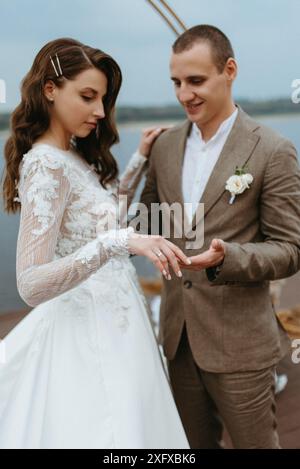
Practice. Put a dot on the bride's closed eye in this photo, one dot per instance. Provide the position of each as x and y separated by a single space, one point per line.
87 98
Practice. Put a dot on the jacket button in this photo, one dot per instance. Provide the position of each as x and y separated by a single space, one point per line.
187 284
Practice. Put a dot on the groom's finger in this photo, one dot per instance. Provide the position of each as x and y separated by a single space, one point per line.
218 245
190 267
207 259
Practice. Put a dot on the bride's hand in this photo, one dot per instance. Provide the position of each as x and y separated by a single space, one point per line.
148 138
160 251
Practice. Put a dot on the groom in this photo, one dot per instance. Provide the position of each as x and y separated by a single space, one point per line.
218 327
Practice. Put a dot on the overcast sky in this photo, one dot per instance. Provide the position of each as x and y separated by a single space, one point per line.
265 35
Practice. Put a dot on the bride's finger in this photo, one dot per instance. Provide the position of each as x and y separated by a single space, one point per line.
153 135
151 130
158 264
171 259
162 259
179 253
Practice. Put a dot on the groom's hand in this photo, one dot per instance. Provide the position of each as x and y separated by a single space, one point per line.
211 258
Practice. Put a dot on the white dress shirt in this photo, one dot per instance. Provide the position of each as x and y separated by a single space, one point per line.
199 161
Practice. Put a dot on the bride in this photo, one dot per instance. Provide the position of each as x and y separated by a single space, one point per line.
82 369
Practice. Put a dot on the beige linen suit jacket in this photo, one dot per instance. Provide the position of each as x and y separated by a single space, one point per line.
231 323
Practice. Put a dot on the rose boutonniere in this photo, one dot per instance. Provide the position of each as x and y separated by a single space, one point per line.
238 183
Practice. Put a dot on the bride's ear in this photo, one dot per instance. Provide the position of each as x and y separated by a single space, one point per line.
49 90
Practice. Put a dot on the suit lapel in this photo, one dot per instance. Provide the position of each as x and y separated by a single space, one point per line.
176 150
237 150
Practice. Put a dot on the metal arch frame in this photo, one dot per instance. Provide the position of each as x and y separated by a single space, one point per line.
175 17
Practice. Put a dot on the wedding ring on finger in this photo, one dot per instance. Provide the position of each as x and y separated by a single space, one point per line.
159 254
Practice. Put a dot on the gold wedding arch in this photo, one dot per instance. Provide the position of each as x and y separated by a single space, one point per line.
168 15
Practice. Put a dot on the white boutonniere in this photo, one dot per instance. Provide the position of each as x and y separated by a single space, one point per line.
238 183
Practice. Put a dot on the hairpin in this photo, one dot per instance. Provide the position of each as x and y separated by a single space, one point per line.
58 65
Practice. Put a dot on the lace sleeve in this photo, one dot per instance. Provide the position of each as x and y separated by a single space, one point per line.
44 190
129 181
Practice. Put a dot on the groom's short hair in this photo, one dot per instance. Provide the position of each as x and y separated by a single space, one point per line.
220 45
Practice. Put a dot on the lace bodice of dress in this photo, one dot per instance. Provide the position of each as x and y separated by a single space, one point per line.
69 223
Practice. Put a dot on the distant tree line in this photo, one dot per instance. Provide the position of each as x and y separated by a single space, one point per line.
126 114
176 112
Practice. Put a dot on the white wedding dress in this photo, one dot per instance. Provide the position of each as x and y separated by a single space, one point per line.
83 368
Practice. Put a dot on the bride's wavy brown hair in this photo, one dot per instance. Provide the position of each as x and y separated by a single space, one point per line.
31 118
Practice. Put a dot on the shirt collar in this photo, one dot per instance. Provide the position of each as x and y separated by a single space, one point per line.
224 128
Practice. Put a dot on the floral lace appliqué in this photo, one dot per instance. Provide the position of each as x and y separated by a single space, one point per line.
111 243
44 186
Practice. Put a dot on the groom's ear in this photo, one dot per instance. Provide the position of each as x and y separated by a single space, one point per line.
231 69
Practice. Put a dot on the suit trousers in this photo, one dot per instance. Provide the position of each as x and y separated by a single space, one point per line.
243 401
